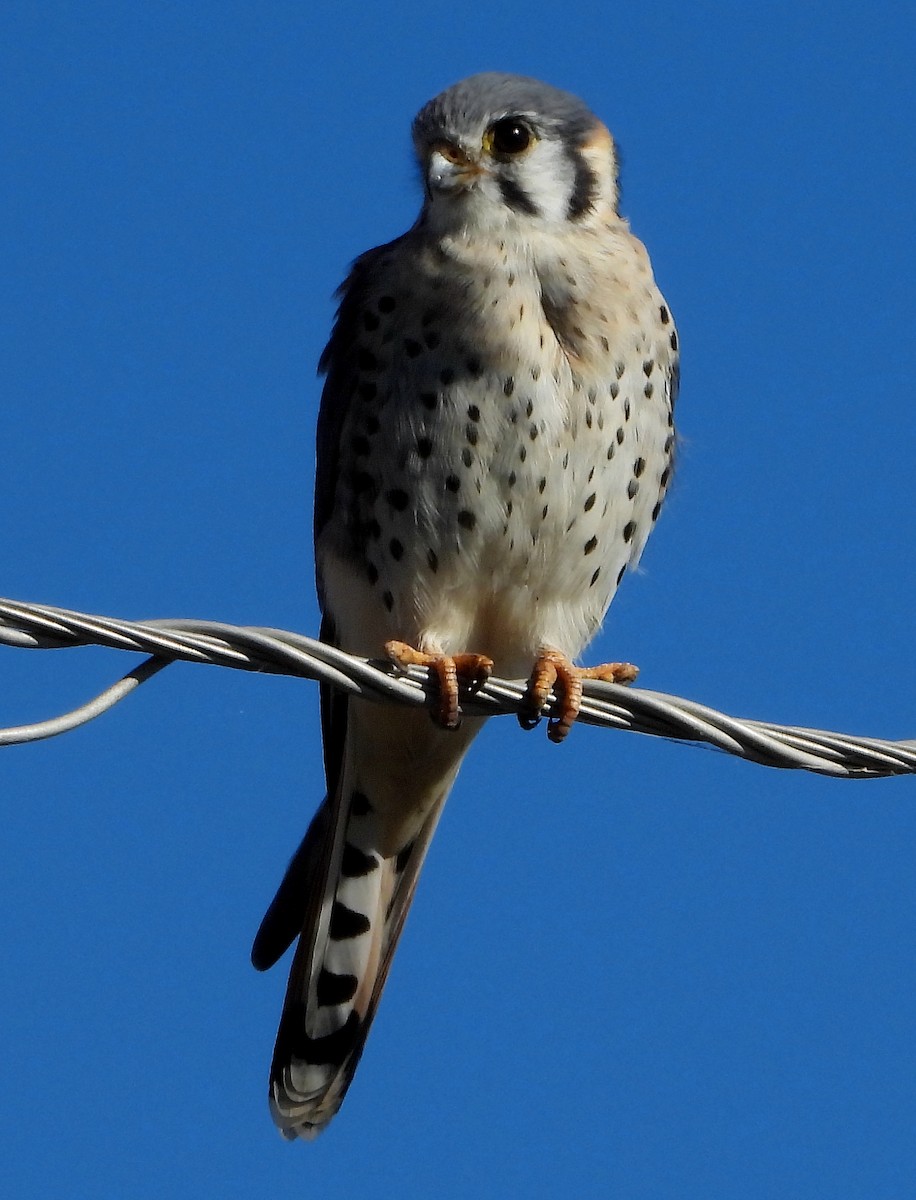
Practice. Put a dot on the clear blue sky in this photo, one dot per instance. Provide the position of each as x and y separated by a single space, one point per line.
634 969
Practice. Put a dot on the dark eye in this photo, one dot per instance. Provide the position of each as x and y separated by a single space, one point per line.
510 136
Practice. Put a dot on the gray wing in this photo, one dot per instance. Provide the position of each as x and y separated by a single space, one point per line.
338 363
284 919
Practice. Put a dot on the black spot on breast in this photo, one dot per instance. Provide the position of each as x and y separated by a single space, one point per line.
594 578
632 488
466 519
470 434
664 314
656 511
529 408
429 400
467 457
648 367
424 447
387 304
364 485
621 573
397 549
590 545
620 436
522 454
533 433
509 385
673 339
542 483
619 369
474 367
398 499
589 503
452 483
614 389
446 376
628 530
473 412
664 477
639 466
648 390
345 923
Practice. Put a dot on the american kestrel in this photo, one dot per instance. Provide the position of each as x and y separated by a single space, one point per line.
494 444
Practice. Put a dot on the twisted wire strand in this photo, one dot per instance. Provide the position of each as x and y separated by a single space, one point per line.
278 651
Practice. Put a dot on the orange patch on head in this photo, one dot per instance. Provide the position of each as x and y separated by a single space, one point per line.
599 139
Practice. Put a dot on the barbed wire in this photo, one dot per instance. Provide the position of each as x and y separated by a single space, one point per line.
278 651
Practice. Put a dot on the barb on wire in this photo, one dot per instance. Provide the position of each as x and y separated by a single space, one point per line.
277 651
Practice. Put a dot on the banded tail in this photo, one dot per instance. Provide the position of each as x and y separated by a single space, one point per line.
346 894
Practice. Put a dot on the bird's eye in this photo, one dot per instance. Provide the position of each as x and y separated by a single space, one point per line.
509 136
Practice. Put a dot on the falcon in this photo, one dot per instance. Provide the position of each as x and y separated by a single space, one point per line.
495 441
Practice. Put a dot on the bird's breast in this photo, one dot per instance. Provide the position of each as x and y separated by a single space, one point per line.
504 450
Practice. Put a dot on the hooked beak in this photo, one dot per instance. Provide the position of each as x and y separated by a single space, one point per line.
450 169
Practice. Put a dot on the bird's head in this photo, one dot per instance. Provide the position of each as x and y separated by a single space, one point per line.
497 151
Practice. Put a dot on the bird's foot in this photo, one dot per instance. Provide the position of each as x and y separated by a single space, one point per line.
553 671
472 669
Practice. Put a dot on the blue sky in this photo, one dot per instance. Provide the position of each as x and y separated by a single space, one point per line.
634 969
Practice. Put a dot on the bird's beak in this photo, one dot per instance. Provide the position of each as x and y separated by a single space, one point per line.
450 169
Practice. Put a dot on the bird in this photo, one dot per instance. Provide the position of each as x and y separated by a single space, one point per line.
494 442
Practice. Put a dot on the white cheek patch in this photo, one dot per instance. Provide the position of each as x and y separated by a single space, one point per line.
547 178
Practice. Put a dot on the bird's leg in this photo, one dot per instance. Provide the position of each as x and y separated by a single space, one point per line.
472 669
553 670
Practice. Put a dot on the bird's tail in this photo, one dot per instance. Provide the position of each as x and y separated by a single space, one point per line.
348 890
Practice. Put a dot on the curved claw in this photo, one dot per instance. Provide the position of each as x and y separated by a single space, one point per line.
553 670
472 669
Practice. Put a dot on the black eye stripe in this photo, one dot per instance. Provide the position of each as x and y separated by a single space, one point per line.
585 186
517 198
